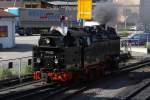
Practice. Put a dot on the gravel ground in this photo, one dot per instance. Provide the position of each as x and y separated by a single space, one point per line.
115 88
140 55
142 76
23 48
143 95
20 88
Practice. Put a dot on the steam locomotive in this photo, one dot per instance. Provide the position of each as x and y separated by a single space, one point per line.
83 53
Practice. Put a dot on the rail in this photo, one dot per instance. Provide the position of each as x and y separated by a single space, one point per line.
44 92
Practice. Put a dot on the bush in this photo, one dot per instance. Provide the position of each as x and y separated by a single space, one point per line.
123 33
11 73
5 74
27 70
73 69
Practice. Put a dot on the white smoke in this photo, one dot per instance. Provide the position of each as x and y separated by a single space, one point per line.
128 2
106 13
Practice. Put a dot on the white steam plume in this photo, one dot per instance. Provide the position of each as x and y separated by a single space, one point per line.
128 2
106 13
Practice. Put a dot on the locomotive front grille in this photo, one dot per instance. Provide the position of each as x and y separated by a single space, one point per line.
48 56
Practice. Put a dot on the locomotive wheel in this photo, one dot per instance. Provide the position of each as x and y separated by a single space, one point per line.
45 78
92 74
111 64
48 80
116 66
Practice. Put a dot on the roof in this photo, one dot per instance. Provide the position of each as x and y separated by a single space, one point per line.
63 3
6 4
6 14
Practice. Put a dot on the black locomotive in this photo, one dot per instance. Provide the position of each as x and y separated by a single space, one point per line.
86 52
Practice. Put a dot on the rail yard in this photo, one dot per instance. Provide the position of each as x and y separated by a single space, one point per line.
135 77
79 50
123 84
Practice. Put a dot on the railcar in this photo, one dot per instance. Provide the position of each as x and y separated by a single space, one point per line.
83 53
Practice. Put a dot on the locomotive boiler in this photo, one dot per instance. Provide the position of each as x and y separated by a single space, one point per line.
83 53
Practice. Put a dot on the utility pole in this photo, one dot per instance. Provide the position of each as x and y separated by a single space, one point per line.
31 3
68 13
62 19
125 21
14 4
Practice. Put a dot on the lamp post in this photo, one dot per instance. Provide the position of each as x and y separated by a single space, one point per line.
147 44
125 21
68 13
31 3
14 3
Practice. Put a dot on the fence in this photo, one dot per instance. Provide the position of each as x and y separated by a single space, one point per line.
125 46
15 68
135 42
135 46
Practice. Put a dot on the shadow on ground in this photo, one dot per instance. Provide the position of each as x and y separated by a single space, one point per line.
129 80
19 48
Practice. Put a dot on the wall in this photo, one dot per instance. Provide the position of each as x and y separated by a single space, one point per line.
144 11
9 41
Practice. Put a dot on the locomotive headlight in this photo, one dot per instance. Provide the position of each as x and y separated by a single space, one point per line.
47 41
56 60
38 60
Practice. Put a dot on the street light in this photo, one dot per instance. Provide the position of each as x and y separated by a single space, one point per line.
125 14
68 12
147 41
14 3
31 3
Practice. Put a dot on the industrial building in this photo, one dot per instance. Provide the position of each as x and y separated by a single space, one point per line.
21 3
128 10
7 30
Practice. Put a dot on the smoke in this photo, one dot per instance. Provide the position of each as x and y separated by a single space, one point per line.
128 2
106 13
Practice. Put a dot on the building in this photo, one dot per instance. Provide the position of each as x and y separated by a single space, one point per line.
7 29
32 3
128 9
21 3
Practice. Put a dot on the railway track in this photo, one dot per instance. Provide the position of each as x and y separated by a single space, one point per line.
132 67
24 91
15 81
45 92
137 93
18 85
123 70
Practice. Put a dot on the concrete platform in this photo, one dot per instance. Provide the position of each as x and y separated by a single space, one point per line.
137 49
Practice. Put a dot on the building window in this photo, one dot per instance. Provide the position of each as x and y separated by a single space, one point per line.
3 31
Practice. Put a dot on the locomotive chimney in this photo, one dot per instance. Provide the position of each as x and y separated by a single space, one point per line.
103 26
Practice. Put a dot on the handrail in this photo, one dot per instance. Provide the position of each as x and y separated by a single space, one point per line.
15 58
